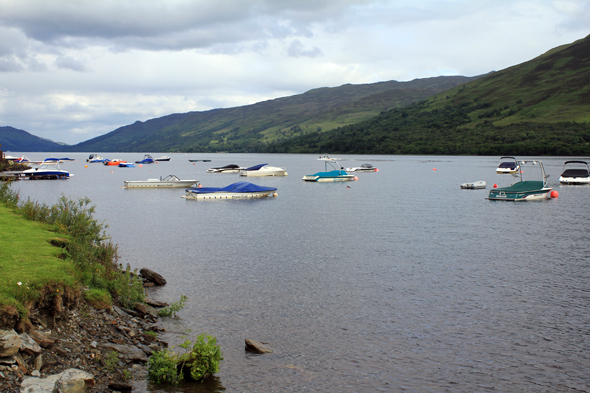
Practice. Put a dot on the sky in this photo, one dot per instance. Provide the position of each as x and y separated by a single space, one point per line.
72 70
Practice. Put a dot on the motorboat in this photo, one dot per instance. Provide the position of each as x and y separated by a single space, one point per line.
508 165
575 175
95 158
167 182
60 160
114 162
336 174
231 168
21 160
524 190
126 165
46 171
163 158
476 185
363 168
263 170
239 190
147 159
326 157
200 160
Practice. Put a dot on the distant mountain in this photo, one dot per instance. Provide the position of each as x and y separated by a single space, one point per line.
233 129
12 139
540 107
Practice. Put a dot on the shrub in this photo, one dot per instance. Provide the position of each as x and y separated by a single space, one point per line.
172 309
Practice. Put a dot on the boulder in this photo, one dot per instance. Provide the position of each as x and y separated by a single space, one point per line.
41 338
129 353
257 347
29 345
155 303
39 385
10 342
145 309
152 276
74 380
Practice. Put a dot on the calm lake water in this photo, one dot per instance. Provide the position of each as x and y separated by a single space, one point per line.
402 282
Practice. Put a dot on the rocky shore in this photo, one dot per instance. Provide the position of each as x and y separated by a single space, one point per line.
81 349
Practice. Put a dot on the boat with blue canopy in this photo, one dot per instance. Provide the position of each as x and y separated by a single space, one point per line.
237 190
336 174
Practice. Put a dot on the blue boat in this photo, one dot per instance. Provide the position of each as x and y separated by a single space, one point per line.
147 159
46 171
336 174
126 165
237 190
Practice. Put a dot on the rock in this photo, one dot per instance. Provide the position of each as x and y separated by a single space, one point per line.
10 342
59 351
41 338
146 310
22 365
152 276
256 347
38 363
35 373
120 312
130 353
39 385
155 303
74 380
29 345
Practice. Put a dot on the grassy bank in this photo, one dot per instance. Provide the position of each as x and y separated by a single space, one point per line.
53 257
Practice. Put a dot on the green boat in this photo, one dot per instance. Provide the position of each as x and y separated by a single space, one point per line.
523 190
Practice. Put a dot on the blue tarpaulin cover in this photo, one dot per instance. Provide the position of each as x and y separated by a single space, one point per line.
255 167
241 186
331 174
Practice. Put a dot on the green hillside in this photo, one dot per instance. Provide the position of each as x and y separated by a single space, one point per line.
540 107
320 110
13 139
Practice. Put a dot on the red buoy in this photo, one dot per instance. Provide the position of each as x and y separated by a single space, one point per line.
554 194
495 185
434 169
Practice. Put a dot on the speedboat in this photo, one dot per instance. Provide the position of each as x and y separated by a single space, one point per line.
237 190
95 158
476 185
147 159
167 182
263 170
200 160
114 162
363 168
47 170
523 190
163 158
575 175
126 165
337 174
231 168
326 157
509 165
21 160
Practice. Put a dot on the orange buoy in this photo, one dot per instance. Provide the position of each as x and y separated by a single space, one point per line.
554 194
376 169
434 169
111 171
495 185
356 178
140 165
85 166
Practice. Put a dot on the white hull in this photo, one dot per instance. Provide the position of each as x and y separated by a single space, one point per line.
265 171
319 179
574 180
168 182
223 171
229 195
474 186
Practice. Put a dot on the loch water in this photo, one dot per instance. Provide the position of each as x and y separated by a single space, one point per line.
398 282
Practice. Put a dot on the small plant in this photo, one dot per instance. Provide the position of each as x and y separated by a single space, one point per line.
199 361
126 375
110 361
172 309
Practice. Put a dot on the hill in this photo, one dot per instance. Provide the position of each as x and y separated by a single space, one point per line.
12 139
232 129
540 107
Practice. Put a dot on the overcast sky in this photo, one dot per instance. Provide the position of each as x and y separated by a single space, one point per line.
71 70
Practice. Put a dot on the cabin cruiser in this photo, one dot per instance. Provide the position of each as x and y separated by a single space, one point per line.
231 168
363 168
263 170
237 190
508 165
575 175
167 182
336 174
147 159
95 158
163 158
523 190
47 170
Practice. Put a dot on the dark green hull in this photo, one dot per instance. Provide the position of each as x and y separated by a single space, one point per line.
521 191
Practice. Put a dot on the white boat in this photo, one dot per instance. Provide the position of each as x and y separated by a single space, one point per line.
524 190
326 157
167 182
575 175
239 190
46 171
363 168
508 165
231 168
476 185
337 174
263 170
163 158
95 158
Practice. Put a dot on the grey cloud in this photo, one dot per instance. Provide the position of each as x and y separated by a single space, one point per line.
67 62
296 49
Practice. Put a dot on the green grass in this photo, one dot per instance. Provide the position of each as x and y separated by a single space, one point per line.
27 257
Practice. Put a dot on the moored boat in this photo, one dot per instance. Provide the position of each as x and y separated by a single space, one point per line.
167 182
48 170
126 165
363 168
92 158
476 185
326 157
239 190
337 174
580 174
263 170
163 158
114 162
147 159
523 190
508 165
231 168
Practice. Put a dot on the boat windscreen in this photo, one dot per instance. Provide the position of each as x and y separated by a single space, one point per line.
510 165
255 167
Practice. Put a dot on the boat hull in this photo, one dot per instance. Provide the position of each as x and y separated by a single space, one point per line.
521 191
228 195
474 186
159 184
263 173
322 179
574 180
